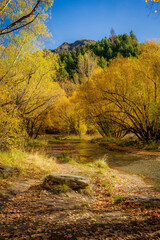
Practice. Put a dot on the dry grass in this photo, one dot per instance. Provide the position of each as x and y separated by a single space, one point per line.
101 163
36 163
40 163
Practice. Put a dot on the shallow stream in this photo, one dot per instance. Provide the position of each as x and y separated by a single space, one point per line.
148 167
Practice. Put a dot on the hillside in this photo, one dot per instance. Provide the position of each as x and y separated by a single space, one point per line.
102 51
66 46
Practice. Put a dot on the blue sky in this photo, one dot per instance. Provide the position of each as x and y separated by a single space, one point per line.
93 19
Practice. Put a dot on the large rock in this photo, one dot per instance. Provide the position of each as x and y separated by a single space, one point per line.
6 170
72 181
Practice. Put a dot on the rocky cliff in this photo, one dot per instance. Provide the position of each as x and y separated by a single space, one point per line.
73 46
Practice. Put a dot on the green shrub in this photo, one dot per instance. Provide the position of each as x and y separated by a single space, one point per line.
129 142
35 143
151 146
64 188
95 140
56 139
101 164
118 199
63 158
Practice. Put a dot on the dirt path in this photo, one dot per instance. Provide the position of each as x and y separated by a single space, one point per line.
38 214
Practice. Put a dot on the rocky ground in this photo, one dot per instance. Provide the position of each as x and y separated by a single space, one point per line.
127 209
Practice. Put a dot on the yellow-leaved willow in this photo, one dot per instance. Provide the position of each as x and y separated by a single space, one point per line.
124 98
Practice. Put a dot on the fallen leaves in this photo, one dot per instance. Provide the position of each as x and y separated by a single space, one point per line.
39 214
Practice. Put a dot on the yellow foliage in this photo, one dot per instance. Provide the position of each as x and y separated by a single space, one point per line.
28 91
26 15
125 96
68 117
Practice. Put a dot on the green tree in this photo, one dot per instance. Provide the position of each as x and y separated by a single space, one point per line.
102 62
105 50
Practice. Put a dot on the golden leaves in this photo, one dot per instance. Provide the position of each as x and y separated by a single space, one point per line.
125 96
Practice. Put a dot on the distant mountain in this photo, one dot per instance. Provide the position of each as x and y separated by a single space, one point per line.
65 47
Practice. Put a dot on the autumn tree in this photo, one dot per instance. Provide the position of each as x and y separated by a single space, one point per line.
87 63
37 93
28 92
22 27
125 97
10 122
68 117
20 14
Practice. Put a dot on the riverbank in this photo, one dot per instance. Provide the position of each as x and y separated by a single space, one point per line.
129 145
103 211
130 150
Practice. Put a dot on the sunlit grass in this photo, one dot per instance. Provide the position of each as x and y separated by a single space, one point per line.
101 163
84 137
35 163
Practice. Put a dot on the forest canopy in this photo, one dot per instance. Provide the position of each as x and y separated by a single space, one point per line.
110 87
124 97
102 51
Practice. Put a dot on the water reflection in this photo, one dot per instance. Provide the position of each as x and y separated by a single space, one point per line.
82 150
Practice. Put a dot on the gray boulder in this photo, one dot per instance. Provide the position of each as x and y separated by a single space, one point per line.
6 170
72 181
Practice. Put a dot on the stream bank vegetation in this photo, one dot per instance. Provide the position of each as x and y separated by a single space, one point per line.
114 100
110 88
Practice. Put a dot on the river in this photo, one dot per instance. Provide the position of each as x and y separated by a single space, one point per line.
82 150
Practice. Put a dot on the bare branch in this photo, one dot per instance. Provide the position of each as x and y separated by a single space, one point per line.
15 29
15 25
